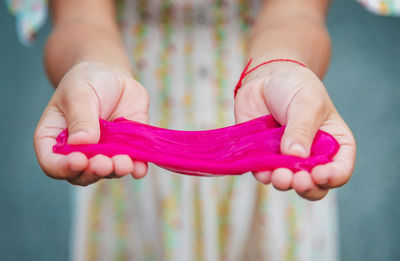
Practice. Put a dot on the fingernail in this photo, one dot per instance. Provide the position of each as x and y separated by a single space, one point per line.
299 149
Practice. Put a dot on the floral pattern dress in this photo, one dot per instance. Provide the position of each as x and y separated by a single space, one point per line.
189 54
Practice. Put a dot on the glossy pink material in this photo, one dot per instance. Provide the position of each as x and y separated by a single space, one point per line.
234 150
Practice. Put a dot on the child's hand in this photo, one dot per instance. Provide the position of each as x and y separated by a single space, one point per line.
89 91
296 97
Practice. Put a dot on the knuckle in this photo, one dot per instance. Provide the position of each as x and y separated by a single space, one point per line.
318 101
140 92
75 90
304 131
143 93
145 100
79 122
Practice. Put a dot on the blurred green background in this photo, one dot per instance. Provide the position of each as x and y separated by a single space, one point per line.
364 82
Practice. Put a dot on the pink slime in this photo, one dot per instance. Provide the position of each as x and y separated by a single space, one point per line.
234 150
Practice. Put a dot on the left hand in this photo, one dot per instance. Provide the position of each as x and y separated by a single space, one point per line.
88 91
297 98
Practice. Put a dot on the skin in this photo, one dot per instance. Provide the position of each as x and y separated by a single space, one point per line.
91 83
295 95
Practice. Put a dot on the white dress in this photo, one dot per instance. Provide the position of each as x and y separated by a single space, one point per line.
189 54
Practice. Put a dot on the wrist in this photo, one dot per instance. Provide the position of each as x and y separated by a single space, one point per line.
120 69
299 38
266 69
70 44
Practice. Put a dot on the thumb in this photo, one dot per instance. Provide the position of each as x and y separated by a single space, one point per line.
81 112
304 117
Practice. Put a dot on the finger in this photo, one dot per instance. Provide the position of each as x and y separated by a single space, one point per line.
86 178
313 193
304 117
123 165
282 179
302 182
81 110
263 176
338 172
55 165
100 165
77 162
306 188
134 111
140 169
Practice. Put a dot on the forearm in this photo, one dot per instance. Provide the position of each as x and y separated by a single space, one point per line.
83 36
297 33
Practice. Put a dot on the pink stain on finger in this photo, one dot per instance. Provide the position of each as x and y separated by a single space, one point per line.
250 146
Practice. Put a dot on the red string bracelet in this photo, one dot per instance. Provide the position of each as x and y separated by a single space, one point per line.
245 72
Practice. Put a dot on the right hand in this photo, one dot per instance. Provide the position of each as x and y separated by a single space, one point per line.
297 98
86 92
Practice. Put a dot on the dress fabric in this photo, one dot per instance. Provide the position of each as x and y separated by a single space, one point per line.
31 14
382 7
189 54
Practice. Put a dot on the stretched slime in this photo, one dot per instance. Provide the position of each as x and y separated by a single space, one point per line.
234 150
